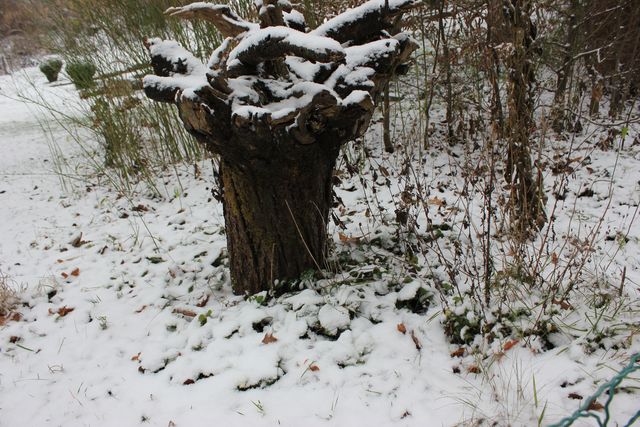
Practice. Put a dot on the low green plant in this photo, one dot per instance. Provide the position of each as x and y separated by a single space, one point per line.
81 74
461 325
51 69
202 318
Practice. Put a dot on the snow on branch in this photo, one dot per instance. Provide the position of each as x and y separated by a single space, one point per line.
274 79
175 68
276 42
364 23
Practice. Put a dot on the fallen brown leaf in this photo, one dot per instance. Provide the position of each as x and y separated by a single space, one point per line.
62 311
416 341
77 242
268 339
562 303
344 238
401 328
314 368
188 382
75 272
64 275
136 357
458 353
510 344
203 301
474 369
436 202
14 339
184 312
594 405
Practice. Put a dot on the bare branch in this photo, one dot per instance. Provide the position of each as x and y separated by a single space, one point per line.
225 20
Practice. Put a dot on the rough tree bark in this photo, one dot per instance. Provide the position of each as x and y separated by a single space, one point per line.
527 197
275 102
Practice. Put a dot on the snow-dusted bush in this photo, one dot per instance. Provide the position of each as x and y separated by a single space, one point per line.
81 74
51 68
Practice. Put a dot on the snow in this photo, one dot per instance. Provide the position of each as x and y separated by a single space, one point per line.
216 58
294 18
157 338
356 97
193 77
320 45
333 318
357 13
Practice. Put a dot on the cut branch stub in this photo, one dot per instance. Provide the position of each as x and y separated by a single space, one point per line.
225 20
277 42
275 102
366 22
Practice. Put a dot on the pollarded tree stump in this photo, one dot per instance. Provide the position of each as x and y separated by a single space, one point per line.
276 102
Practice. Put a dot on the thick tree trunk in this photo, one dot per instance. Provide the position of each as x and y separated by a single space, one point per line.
276 214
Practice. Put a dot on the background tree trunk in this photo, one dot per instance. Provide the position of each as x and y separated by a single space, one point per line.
527 198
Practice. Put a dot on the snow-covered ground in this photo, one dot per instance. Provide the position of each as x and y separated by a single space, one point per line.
126 315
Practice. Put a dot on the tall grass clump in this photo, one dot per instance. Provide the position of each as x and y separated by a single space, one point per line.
102 44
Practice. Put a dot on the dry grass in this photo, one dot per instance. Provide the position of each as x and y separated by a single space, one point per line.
8 295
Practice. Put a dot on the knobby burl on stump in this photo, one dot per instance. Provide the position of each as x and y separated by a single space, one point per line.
275 102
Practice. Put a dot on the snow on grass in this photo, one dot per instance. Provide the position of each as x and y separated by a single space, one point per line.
128 317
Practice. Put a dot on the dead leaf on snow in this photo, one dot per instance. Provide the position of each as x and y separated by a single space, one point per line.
268 339
314 368
510 344
436 201
458 353
344 238
401 328
62 311
184 312
562 303
474 369
203 301
75 272
594 405
416 341
77 241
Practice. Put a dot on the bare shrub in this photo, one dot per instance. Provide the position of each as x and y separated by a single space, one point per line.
8 296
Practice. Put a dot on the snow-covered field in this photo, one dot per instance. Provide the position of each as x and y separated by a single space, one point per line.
126 315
